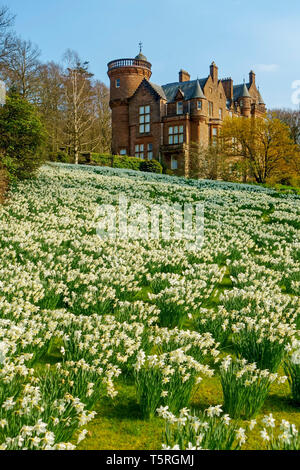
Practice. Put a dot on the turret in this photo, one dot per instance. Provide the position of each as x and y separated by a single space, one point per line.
125 76
198 100
245 102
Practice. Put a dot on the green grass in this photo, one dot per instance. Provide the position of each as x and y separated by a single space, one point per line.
119 426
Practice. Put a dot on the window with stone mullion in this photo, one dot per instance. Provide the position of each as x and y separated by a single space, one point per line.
176 135
144 119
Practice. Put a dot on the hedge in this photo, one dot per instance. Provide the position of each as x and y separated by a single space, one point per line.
123 161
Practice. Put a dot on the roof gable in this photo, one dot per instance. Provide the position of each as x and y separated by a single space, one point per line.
154 89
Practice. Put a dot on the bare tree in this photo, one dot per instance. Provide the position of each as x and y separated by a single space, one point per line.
80 103
102 126
51 103
7 42
21 68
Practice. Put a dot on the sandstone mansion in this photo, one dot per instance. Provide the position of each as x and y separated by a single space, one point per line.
152 121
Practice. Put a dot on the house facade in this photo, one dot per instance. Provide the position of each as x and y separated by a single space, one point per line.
152 121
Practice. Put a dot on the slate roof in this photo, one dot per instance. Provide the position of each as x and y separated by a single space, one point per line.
159 90
198 93
238 91
188 88
260 99
241 90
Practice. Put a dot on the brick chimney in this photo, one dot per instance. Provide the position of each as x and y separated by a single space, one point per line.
228 87
214 72
184 76
251 77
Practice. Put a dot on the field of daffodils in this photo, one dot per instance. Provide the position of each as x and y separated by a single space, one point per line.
102 340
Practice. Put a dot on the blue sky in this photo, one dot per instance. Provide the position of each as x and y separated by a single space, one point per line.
237 34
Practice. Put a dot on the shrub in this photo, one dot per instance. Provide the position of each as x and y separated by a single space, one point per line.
21 136
123 161
151 166
59 156
116 161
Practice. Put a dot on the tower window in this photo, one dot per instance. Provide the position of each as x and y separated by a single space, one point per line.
199 105
144 119
180 107
139 151
118 83
176 135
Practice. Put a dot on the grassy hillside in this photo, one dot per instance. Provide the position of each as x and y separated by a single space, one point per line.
97 334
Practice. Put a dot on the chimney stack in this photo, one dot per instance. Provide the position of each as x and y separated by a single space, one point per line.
228 87
214 72
251 77
184 76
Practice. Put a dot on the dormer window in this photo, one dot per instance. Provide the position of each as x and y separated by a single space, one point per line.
118 83
144 119
180 107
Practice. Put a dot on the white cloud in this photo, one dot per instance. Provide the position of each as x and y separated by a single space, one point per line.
267 67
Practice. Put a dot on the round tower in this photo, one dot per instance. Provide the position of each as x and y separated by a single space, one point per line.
125 76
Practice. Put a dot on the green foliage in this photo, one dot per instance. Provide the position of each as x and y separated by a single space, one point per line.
59 156
151 166
116 161
21 136
123 161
